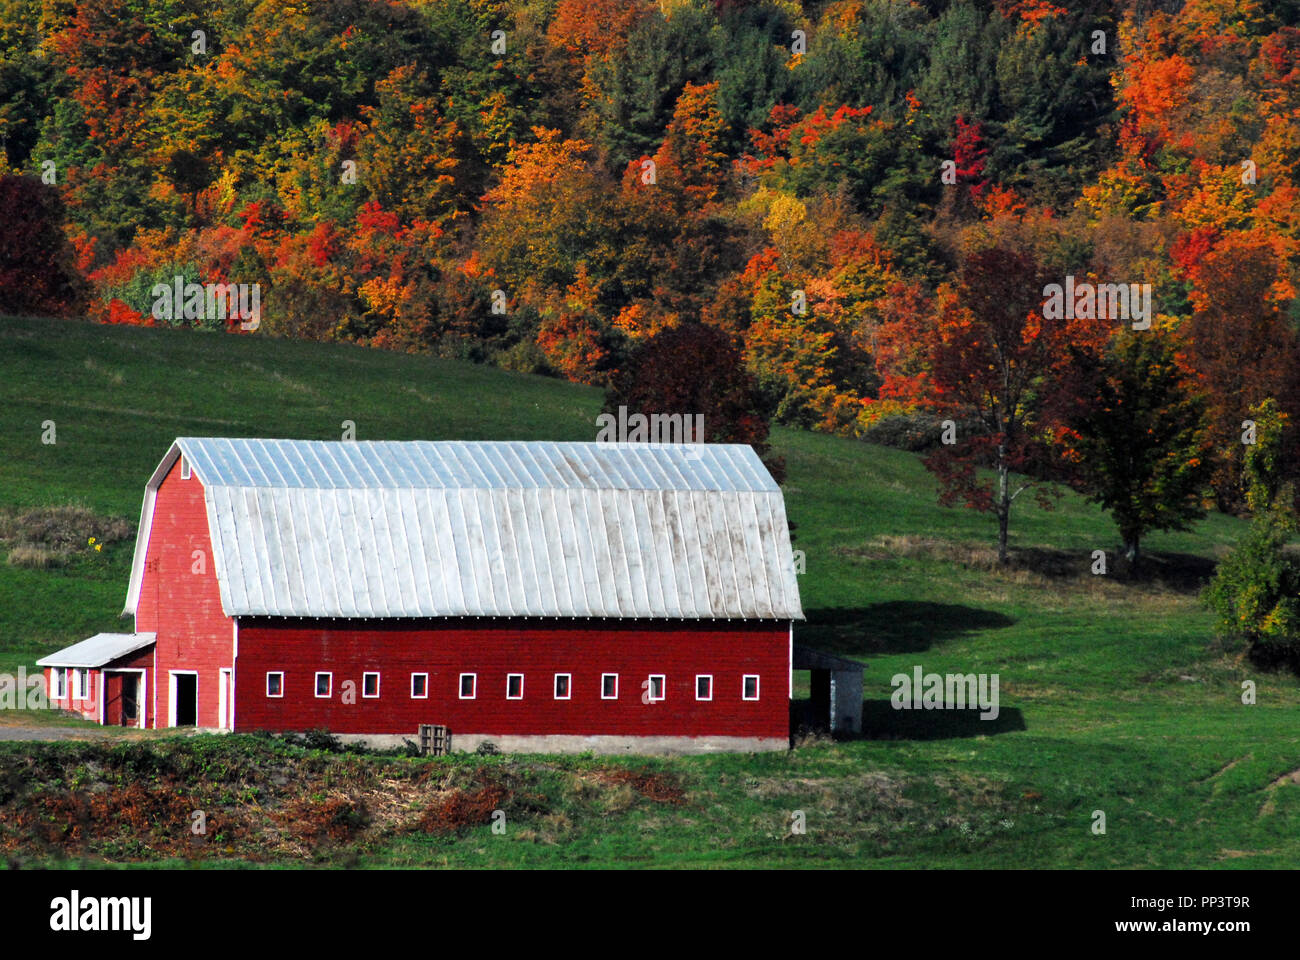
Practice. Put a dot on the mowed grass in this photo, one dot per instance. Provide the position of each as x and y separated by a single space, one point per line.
1114 695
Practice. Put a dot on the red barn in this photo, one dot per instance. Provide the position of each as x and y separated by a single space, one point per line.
543 596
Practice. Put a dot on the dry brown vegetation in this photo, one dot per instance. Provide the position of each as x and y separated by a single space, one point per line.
139 802
44 537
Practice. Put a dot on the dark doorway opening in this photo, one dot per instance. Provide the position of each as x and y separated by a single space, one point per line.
130 700
187 699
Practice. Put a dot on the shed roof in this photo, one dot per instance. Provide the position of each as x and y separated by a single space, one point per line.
98 650
504 529
806 658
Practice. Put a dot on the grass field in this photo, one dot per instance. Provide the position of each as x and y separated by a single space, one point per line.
1114 695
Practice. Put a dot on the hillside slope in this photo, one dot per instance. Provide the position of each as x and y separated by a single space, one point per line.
1114 696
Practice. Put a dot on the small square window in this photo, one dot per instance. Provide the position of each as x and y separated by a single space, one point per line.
751 686
370 685
656 687
514 686
703 687
185 469
419 686
324 685
468 683
563 689
609 686
275 684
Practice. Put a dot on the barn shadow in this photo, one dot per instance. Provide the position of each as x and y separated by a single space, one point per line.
880 721
898 626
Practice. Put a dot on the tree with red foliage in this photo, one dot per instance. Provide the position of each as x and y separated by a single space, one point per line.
37 263
969 153
1241 349
695 369
990 357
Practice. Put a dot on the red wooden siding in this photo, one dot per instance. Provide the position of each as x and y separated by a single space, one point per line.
181 606
87 706
538 649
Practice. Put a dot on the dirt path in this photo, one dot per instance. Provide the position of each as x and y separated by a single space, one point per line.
51 733
15 728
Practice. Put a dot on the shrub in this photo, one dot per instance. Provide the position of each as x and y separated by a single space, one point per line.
1255 593
906 431
525 357
322 740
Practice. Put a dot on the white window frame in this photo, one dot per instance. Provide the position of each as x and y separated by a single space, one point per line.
315 685
511 676
80 683
663 687
698 678
269 675
603 678
568 686
59 683
473 686
744 680
185 468
370 696
420 696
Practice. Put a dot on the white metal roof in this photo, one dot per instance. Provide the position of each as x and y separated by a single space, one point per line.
524 529
98 650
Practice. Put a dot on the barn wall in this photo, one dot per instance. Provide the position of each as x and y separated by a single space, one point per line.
88 706
183 606
537 649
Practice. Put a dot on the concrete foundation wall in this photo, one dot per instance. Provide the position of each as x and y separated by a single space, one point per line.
604 744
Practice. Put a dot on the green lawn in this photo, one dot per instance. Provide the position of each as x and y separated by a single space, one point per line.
1114 696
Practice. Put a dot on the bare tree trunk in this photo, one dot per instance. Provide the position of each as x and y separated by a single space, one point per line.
1003 506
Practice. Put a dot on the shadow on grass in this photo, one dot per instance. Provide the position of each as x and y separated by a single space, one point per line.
1182 572
880 721
899 626
1047 567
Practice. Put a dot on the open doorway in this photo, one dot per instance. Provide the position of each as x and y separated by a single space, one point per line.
122 691
129 715
185 699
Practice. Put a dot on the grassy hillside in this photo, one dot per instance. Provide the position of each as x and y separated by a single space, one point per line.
1114 695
